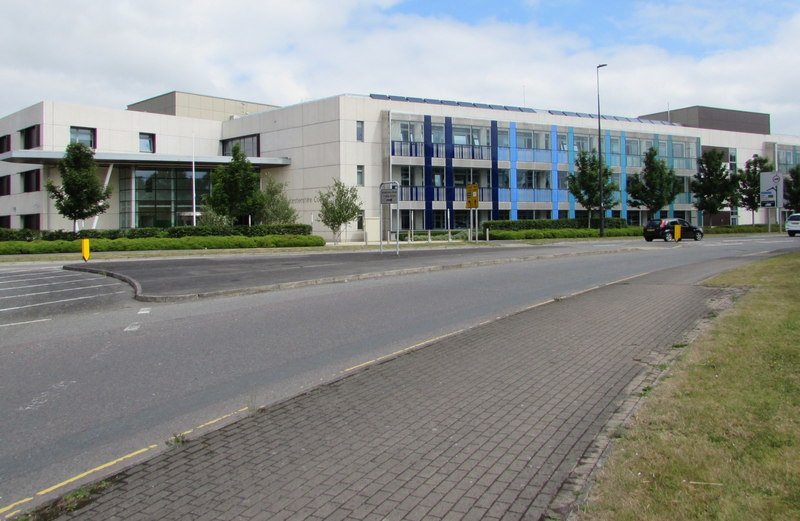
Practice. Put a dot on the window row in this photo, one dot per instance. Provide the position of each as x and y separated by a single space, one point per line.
412 132
30 221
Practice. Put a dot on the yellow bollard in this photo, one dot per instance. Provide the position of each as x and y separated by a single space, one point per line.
677 232
85 249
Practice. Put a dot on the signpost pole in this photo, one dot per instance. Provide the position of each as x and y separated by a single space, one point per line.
389 196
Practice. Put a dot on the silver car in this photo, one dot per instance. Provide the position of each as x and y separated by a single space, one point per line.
793 224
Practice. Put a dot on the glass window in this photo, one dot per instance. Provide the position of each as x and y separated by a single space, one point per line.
541 179
502 138
359 131
632 147
5 143
461 135
406 131
31 181
30 137
147 143
524 139
679 149
405 176
543 141
87 136
30 221
562 142
249 145
5 185
563 180
615 146
582 143
524 179
5 221
502 178
437 133
438 176
360 175
160 197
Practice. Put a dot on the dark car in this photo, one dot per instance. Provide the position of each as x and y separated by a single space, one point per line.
665 229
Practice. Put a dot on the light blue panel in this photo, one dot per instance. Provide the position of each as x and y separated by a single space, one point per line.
554 171
512 173
623 179
607 146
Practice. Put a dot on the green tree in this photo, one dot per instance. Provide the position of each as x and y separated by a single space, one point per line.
712 185
791 190
584 184
275 207
748 183
81 195
655 187
234 188
338 205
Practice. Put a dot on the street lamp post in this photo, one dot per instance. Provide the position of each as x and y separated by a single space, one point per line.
600 155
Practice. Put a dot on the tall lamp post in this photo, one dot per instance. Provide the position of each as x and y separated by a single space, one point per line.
600 155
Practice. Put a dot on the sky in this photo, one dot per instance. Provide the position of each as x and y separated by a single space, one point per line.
543 54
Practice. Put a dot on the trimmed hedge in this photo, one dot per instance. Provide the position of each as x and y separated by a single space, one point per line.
571 233
162 243
258 230
552 224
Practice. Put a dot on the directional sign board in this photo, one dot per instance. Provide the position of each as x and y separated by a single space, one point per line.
388 196
472 196
771 190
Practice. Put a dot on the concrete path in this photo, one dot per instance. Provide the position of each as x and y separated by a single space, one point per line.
504 421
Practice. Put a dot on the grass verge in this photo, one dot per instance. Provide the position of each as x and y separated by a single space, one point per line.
719 438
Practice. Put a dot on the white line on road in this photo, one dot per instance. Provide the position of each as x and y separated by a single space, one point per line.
60 290
26 322
51 283
133 327
71 275
59 301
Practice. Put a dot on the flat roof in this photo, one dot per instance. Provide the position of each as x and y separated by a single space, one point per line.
40 157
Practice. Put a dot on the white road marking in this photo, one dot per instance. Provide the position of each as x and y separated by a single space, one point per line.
133 327
59 301
26 322
60 290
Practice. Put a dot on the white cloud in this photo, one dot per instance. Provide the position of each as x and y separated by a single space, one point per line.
116 53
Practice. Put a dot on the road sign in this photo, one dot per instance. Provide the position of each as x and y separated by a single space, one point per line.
388 196
472 196
771 189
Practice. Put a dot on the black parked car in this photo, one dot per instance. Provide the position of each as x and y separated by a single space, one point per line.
665 229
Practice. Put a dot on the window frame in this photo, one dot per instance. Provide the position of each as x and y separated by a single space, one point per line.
76 132
359 175
31 181
5 185
360 131
150 139
31 137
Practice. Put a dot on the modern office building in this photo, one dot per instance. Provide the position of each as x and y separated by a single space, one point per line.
158 153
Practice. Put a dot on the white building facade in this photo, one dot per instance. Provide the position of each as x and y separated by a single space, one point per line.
158 154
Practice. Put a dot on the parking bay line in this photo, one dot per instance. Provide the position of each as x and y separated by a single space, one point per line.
59 301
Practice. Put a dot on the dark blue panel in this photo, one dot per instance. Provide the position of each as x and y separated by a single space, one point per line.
427 131
495 175
449 182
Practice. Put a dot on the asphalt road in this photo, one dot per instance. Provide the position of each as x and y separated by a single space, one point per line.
87 387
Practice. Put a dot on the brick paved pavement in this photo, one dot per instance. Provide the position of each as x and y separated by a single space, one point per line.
489 424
